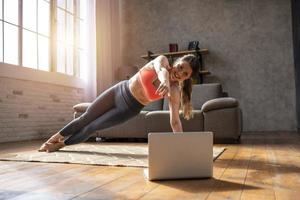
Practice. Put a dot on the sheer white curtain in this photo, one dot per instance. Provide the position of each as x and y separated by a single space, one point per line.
90 77
108 42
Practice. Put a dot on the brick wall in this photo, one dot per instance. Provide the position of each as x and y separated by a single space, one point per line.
33 110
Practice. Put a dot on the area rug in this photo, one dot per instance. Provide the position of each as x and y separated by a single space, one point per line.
112 154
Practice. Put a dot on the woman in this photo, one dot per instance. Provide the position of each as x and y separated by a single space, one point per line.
156 80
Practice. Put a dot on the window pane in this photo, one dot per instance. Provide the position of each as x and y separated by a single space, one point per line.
11 11
11 45
43 49
82 34
43 17
70 6
29 14
70 60
29 49
60 58
61 25
61 4
83 65
76 64
1 42
83 7
1 9
70 29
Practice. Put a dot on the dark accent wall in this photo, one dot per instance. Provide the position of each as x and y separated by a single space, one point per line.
250 44
296 40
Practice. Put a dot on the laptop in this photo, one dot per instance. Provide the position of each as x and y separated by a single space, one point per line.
180 155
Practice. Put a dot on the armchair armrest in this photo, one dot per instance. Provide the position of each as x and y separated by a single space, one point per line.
219 103
81 107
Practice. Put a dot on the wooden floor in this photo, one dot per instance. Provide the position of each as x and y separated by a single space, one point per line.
263 166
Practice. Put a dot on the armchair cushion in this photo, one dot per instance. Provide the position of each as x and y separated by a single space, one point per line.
219 103
156 105
204 92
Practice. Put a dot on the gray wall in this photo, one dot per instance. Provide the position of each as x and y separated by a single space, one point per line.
250 44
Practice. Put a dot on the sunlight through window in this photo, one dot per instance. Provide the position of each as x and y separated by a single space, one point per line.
11 44
61 25
29 15
43 53
83 64
11 11
29 49
83 8
1 42
70 6
43 17
1 9
1 33
61 58
70 30
83 34
61 4
70 60
37 39
82 38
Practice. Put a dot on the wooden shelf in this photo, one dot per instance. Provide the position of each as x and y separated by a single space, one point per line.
204 72
175 54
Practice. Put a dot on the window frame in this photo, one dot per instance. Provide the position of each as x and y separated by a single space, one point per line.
52 76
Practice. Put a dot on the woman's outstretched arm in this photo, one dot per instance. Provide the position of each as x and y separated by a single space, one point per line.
161 66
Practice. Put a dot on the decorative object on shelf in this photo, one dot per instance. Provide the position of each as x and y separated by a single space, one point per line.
193 45
126 72
173 47
149 54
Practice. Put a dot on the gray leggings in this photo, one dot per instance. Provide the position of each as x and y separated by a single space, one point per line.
114 106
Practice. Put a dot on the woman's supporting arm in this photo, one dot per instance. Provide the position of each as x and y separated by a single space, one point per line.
174 106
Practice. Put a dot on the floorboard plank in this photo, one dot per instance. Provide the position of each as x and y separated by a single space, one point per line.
128 186
258 174
233 179
85 181
285 164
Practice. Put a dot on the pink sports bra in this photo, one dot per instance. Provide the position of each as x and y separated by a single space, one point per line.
147 78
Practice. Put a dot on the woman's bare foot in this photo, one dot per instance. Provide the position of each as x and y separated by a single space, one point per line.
56 138
51 147
43 147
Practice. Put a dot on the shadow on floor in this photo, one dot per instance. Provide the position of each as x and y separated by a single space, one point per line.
205 185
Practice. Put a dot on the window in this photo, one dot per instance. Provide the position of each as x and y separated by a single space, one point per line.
43 34
1 31
36 34
9 31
